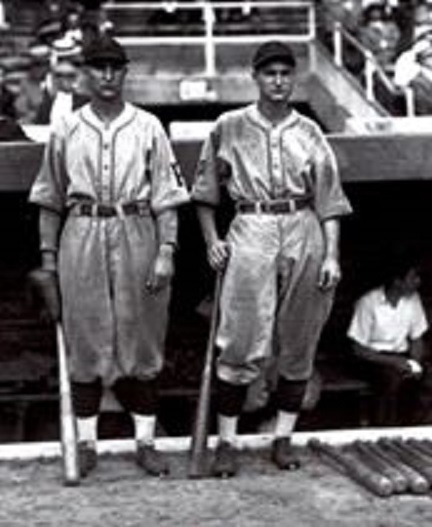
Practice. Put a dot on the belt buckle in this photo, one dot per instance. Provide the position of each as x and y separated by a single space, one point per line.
105 211
259 207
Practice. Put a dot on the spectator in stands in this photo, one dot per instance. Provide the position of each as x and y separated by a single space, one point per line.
7 98
422 19
33 85
387 331
380 34
62 97
413 68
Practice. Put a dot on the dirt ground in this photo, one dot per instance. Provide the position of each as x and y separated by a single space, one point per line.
118 495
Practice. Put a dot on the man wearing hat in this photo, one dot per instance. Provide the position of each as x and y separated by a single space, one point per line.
108 190
280 256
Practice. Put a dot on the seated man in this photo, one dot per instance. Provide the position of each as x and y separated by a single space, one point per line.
386 331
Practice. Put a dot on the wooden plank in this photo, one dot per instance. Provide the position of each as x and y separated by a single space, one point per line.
383 157
361 159
52 449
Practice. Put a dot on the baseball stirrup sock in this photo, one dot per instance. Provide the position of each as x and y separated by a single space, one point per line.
289 395
86 397
230 398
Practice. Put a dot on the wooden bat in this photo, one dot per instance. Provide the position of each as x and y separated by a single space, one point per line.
417 484
67 420
198 452
379 464
422 446
409 457
352 466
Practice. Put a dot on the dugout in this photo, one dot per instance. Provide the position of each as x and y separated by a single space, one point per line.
388 180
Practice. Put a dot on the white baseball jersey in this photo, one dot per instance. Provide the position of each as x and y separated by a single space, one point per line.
270 303
114 327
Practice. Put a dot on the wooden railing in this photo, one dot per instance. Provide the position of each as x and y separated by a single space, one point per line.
373 73
210 27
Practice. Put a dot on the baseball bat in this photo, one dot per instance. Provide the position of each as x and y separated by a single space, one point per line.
376 483
423 446
68 432
198 451
410 458
417 484
377 463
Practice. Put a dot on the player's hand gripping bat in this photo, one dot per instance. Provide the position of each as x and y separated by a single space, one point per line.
45 290
198 451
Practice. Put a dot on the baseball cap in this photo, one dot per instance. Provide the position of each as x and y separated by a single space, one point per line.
271 51
104 49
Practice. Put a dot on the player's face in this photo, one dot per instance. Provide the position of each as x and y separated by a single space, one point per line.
106 80
275 81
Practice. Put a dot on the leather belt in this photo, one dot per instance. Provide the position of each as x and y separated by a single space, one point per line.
285 206
106 210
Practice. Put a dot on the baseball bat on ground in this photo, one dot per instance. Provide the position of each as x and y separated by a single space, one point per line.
417 484
409 457
198 452
376 483
422 446
67 420
380 465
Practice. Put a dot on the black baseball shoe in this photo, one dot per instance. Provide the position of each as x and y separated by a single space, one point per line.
283 456
87 458
152 461
225 463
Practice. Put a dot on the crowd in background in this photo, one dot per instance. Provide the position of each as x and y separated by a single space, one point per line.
44 81
397 32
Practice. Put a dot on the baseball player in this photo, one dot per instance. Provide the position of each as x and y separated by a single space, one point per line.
108 190
280 256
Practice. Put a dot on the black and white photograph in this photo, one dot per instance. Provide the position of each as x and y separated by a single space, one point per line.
215 263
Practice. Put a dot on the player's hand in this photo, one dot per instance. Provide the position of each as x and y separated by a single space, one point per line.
218 254
163 269
415 368
330 274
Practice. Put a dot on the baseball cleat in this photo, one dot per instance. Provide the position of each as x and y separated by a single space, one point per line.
225 463
151 461
283 456
87 457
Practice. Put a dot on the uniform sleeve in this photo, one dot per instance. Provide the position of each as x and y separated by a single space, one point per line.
207 185
360 328
50 186
419 323
168 188
329 198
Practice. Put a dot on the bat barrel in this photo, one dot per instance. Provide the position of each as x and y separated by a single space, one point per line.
357 470
68 433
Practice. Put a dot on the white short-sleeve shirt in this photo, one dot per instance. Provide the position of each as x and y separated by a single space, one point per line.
380 326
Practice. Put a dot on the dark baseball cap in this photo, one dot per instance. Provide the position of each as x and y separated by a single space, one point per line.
273 50
102 50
